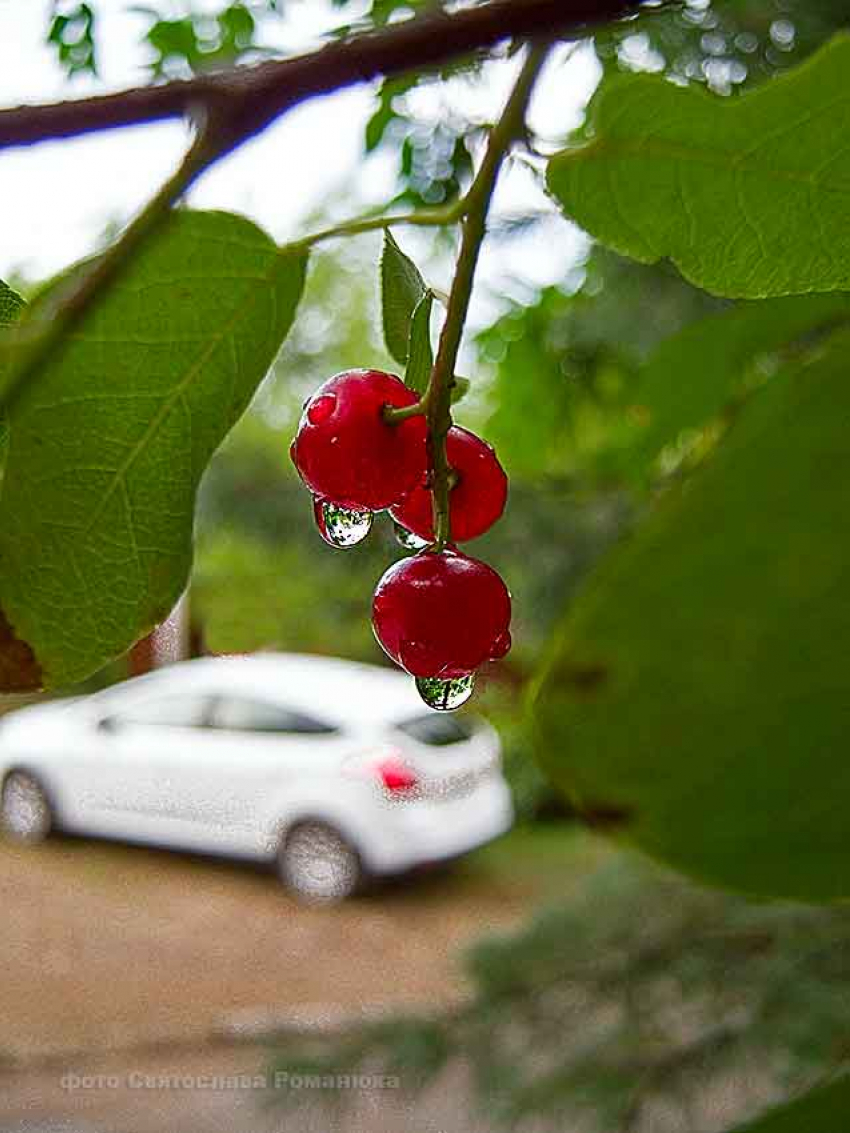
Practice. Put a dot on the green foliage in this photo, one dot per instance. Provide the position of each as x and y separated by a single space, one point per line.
743 195
692 699
385 113
436 161
566 367
106 449
402 290
275 605
420 357
728 45
824 1110
696 374
460 388
72 35
635 1001
198 42
11 307
11 304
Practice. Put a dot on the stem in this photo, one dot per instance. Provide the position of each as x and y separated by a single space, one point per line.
394 414
61 311
435 217
438 399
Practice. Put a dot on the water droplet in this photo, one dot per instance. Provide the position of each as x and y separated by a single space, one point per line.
408 539
339 526
445 695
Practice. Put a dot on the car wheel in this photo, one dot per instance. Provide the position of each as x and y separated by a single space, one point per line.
317 864
25 812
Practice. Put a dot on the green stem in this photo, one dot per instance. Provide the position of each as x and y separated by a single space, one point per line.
394 414
435 217
61 311
437 401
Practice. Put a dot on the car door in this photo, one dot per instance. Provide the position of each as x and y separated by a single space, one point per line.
134 787
255 752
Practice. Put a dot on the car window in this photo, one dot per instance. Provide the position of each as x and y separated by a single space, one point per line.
245 714
437 730
174 711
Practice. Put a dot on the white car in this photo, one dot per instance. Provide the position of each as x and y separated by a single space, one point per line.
335 770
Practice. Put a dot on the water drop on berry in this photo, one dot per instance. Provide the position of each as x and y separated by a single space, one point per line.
445 695
321 409
408 539
339 526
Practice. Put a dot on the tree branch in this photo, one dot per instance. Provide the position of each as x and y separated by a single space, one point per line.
248 99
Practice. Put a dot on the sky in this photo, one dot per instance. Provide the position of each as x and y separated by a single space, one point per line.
57 197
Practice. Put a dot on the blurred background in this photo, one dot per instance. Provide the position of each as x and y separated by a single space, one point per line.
600 992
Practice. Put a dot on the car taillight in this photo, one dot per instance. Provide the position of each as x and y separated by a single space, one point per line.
396 776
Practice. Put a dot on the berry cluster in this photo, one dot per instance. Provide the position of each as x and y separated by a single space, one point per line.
439 614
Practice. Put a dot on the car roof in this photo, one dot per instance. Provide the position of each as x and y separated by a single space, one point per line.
330 688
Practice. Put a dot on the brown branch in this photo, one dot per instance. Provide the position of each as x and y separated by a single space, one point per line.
248 99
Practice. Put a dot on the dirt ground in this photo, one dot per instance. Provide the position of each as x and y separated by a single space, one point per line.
119 960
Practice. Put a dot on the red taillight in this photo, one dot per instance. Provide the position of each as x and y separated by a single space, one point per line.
396 776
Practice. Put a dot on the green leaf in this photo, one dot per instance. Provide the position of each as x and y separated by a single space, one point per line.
402 289
72 34
460 388
11 304
420 357
824 1110
695 699
748 196
108 444
694 374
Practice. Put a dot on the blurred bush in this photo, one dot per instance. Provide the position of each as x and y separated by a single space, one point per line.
644 1003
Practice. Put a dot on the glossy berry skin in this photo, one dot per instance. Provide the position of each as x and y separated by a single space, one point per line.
477 499
442 614
345 451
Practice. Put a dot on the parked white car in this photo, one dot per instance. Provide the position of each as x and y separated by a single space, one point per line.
335 770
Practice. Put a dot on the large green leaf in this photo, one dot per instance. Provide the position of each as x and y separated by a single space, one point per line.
108 444
825 1110
11 308
748 196
695 698
694 374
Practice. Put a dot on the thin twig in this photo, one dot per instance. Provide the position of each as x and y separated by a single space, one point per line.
473 229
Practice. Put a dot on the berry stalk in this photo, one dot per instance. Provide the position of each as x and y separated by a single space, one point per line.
437 402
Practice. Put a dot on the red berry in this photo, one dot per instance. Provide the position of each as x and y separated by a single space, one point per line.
442 614
347 453
477 499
